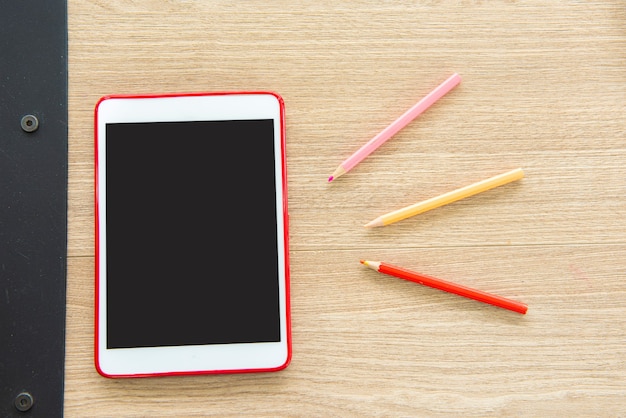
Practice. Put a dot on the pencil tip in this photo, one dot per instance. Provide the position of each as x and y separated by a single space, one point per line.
339 171
376 222
362 261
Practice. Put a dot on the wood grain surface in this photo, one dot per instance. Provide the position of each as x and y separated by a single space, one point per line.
543 89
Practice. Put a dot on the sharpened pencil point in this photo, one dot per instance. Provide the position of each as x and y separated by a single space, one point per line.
374 265
376 222
339 171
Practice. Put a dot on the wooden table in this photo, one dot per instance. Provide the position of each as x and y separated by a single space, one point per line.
543 89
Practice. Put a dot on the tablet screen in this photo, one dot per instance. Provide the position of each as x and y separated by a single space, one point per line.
191 240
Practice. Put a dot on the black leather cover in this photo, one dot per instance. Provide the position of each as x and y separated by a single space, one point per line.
33 206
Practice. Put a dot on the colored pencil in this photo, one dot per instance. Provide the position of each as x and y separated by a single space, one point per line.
446 198
398 124
446 286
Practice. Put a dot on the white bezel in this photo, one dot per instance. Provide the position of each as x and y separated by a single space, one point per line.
128 362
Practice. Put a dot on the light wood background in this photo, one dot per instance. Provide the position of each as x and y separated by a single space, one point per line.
543 89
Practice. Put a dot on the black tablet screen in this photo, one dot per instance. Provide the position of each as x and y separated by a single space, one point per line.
191 242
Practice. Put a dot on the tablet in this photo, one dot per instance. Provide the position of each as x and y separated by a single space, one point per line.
192 257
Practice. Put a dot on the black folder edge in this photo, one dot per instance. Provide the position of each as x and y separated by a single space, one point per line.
33 206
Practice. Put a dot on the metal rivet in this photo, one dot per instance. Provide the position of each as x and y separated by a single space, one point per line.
24 401
30 123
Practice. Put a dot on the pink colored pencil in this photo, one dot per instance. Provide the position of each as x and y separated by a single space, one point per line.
398 124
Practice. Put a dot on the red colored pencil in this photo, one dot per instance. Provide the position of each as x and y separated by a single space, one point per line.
457 289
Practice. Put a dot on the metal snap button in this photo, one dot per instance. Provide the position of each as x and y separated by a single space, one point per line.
24 401
30 123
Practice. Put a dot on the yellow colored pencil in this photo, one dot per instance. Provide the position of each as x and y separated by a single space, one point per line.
444 199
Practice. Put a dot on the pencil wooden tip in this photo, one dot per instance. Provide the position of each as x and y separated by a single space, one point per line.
374 223
374 265
339 171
